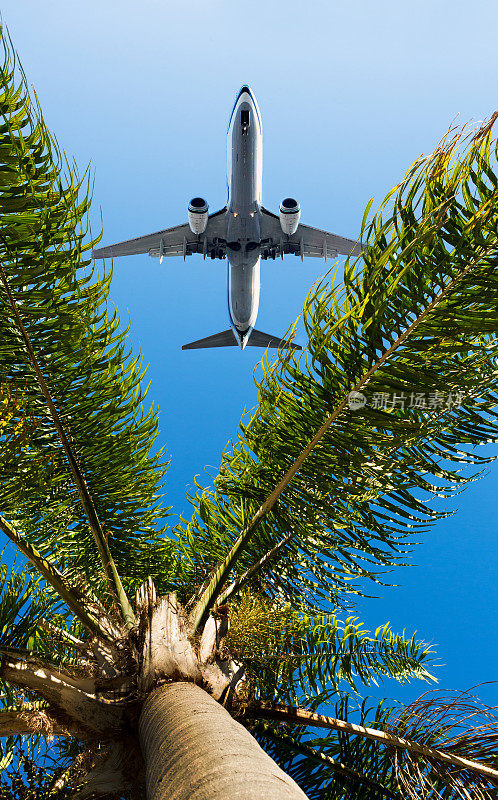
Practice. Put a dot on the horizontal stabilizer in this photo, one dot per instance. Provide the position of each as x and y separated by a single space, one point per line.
223 339
260 339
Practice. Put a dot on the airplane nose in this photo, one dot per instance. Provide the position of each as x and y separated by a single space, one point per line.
245 89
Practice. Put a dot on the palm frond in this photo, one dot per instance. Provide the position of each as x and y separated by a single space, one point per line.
317 771
49 778
23 604
54 578
348 782
411 320
83 352
437 748
458 725
309 657
78 478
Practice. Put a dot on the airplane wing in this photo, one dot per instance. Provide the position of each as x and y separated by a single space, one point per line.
177 241
305 242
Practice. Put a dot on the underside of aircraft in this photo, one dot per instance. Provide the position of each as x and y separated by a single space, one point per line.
243 232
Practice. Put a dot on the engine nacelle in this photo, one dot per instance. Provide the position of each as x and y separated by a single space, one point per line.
290 214
198 215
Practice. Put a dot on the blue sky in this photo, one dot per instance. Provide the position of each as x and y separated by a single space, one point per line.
350 96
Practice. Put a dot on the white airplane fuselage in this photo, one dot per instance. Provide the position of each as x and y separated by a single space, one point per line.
245 178
243 231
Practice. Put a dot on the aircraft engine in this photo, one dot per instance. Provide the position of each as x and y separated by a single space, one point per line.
289 213
198 215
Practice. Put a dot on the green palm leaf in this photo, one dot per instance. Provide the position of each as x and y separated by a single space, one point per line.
346 765
411 318
304 659
335 767
84 355
24 603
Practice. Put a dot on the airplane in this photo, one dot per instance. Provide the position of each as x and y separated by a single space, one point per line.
243 232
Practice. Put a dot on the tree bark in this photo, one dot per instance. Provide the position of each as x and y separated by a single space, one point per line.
194 750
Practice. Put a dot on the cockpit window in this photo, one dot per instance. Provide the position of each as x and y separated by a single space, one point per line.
244 118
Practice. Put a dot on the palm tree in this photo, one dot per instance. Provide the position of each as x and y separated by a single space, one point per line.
193 660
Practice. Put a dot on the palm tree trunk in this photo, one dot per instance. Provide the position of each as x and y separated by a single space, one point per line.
194 750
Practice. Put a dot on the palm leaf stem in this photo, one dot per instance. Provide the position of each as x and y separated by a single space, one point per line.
78 477
301 716
55 579
213 589
61 780
19 654
259 564
65 636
